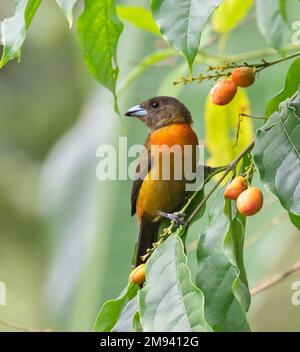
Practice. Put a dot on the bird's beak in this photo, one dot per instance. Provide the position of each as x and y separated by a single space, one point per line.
137 111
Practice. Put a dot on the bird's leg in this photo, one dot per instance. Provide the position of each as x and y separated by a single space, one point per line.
178 218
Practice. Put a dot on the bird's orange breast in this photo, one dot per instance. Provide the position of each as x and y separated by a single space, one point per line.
159 194
174 134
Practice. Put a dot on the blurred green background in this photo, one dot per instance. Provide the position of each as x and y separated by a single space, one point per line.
66 239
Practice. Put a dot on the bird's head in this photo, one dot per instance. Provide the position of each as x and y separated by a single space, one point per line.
160 111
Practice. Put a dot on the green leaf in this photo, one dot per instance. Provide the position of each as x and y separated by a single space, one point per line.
67 8
295 220
14 29
182 22
292 82
170 301
271 23
125 321
228 15
234 247
139 17
221 125
136 324
99 29
221 275
277 154
112 309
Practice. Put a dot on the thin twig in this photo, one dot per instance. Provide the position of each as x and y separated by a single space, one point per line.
266 64
275 279
242 114
238 129
224 70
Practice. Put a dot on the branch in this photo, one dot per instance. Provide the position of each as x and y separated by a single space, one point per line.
224 70
275 279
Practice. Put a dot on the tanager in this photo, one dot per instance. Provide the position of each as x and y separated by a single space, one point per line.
153 197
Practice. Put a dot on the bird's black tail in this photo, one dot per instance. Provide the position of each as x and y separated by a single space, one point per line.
148 235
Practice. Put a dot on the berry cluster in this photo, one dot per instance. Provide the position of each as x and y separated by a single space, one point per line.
249 201
224 91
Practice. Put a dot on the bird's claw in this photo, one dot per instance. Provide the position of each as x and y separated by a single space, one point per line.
177 218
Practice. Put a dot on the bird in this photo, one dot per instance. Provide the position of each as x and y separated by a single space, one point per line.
154 197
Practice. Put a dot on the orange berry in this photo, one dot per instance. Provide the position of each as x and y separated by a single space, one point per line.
235 187
137 276
250 201
223 92
243 76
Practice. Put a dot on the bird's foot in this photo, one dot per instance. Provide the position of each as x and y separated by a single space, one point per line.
177 218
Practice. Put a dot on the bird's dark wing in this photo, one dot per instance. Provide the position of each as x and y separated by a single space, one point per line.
142 170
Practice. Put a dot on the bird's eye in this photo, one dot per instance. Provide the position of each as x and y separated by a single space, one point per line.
155 104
